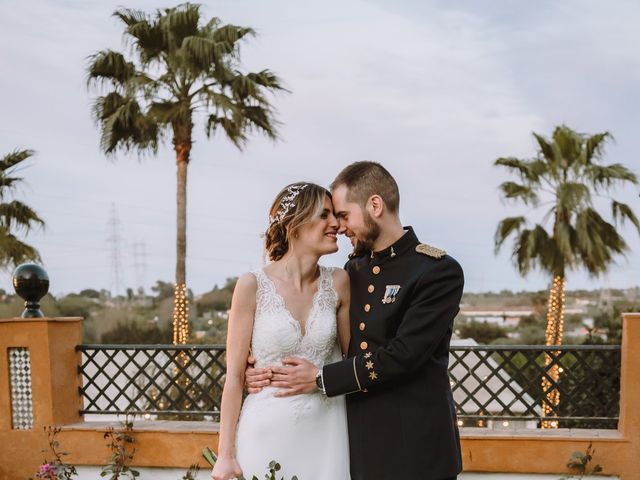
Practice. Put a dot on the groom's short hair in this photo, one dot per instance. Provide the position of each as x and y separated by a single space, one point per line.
364 179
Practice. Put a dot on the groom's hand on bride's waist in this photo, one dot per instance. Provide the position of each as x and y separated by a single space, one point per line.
256 378
295 376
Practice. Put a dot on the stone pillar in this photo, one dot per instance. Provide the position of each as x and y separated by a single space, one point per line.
629 424
39 385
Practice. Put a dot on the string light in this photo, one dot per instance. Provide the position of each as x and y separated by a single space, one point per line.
553 336
180 315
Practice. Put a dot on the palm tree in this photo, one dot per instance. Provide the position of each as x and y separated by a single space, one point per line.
15 216
567 175
180 66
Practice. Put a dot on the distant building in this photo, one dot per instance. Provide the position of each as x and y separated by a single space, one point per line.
476 379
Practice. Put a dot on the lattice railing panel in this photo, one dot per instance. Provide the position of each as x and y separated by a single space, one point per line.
160 380
500 382
489 383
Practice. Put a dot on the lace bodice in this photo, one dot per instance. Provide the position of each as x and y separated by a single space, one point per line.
277 334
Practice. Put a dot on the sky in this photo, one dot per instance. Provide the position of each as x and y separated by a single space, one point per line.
433 90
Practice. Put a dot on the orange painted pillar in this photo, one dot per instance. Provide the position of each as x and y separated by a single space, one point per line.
629 424
55 400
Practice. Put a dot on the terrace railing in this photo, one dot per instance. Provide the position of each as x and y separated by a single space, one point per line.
490 384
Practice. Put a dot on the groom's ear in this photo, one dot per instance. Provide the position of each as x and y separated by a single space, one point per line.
375 205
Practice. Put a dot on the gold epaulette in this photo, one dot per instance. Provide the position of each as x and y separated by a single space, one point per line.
430 251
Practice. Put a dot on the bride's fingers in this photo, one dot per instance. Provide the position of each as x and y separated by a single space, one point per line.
261 383
259 377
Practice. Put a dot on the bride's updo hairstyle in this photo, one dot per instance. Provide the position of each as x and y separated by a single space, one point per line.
296 205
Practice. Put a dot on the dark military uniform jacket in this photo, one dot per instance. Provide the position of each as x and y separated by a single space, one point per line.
401 414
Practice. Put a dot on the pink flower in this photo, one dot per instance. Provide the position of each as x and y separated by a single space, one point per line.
47 471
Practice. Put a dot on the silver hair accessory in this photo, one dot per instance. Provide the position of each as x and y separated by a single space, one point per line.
287 203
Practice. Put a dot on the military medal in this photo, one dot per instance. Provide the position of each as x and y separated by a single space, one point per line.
390 293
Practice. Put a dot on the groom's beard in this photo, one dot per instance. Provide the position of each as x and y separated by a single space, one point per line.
365 245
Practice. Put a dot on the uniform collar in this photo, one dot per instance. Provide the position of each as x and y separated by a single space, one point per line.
404 243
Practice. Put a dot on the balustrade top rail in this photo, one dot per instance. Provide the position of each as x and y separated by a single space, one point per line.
492 385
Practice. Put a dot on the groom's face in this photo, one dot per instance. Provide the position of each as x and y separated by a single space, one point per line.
355 222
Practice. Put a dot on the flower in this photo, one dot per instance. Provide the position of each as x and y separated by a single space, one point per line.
47 471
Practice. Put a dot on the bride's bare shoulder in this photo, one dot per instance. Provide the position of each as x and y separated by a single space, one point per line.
246 286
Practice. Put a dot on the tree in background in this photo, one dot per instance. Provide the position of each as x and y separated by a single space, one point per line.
181 66
566 175
15 216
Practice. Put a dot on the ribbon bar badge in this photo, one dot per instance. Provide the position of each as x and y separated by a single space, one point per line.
390 293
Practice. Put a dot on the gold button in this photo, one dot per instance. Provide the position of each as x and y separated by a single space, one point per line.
376 270
364 345
371 288
362 326
367 307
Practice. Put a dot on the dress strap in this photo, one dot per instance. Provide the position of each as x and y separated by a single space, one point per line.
326 277
261 279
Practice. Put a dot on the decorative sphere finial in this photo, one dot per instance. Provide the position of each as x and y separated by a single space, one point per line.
31 283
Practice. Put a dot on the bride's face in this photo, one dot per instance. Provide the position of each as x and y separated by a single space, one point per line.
321 233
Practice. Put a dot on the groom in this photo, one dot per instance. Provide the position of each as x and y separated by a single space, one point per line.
404 297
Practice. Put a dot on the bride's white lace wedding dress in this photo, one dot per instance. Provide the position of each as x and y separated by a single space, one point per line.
306 434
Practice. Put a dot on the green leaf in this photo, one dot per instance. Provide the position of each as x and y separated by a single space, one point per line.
110 66
505 228
516 191
209 456
622 211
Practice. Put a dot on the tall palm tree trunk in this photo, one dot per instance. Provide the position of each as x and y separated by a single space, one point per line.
180 301
553 336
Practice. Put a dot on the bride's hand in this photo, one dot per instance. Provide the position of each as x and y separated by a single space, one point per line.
226 469
256 378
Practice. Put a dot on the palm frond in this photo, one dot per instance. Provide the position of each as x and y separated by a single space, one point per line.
164 112
16 214
267 79
260 119
516 191
7 183
564 239
598 240
14 158
594 146
525 168
203 53
505 228
110 66
545 147
127 127
148 38
13 251
130 17
622 211
532 247
603 176
570 196
178 23
232 33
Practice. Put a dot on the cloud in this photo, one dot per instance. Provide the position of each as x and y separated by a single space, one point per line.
434 90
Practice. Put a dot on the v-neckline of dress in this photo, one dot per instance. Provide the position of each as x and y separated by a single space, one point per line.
302 328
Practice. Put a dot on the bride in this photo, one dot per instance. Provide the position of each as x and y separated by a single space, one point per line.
291 307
